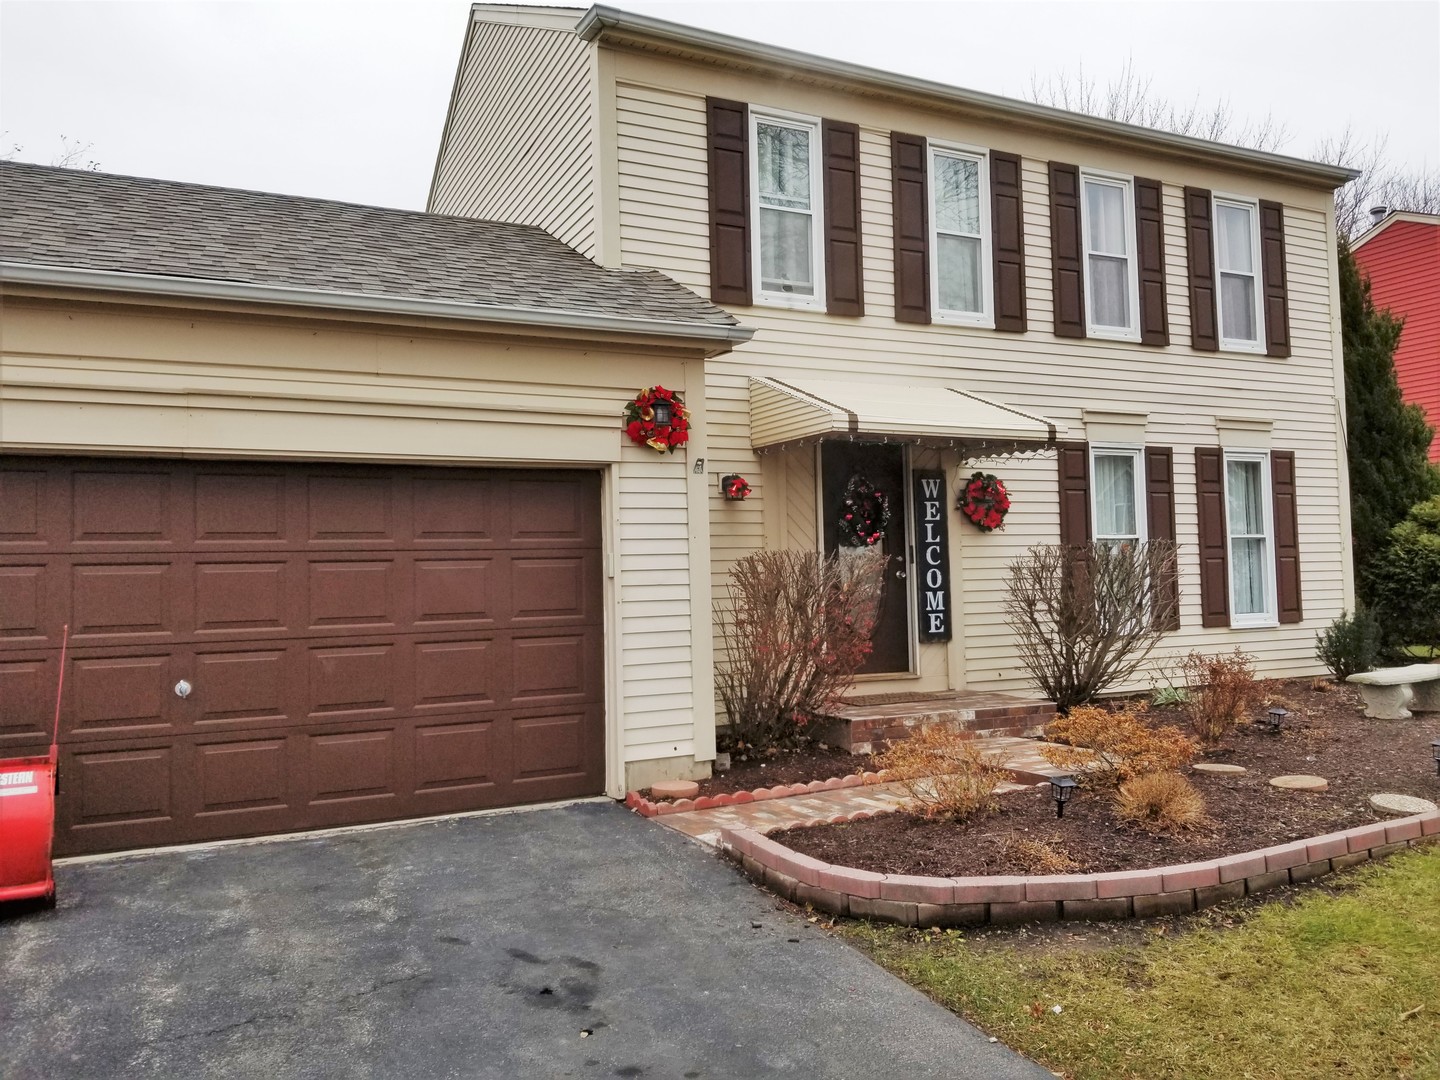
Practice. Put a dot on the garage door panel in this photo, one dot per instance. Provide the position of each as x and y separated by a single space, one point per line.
362 643
352 679
455 591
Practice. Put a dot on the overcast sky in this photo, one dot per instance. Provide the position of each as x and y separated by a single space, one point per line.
347 101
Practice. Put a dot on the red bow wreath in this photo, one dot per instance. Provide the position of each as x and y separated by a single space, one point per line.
985 502
645 427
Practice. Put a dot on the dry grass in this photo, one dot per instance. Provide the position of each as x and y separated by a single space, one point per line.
1038 857
945 774
1106 748
1161 801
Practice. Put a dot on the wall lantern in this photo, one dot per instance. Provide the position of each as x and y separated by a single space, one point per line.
664 413
1062 788
1435 753
1274 717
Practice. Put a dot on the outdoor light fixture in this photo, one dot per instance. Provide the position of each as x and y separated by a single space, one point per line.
1435 753
1061 788
1276 718
663 413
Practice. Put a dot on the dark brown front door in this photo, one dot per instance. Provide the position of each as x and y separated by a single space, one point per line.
358 643
882 467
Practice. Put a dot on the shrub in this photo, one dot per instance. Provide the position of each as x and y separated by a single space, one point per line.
1350 644
1163 801
1405 581
1038 857
1106 748
944 773
1166 697
1221 690
796 629
1087 616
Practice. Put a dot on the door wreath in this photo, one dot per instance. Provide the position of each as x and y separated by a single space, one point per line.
657 418
985 501
864 513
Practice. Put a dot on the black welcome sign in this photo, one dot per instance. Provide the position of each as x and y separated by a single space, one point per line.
932 554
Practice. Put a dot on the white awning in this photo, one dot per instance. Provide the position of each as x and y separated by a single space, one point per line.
805 410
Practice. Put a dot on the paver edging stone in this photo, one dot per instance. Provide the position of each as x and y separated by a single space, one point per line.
1009 898
646 808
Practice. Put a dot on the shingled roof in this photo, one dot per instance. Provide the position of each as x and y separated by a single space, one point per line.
76 220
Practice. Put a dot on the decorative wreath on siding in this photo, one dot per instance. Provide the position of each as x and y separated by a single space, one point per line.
864 513
985 502
657 418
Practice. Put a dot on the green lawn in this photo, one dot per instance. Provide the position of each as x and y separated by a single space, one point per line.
1324 987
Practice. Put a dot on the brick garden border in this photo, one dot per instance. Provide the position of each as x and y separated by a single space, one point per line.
1002 900
643 806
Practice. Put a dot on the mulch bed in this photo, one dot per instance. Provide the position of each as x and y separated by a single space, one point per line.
786 767
1326 734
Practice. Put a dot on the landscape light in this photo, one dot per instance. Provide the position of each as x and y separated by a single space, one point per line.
1061 789
1276 718
1435 753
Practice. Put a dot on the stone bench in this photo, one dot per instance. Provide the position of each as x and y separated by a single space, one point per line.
1390 693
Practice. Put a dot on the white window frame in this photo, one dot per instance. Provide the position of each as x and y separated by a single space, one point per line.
1137 453
1270 616
1127 185
1253 206
985 317
771 298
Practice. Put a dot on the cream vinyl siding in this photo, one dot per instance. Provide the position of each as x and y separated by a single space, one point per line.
519 142
117 380
662 201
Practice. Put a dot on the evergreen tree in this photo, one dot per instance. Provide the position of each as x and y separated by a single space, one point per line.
1387 439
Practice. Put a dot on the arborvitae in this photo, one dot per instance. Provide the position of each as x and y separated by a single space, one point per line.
1387 439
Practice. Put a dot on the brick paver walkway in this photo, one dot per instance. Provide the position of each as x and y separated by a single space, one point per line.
1021 756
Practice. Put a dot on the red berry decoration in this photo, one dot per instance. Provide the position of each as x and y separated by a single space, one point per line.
985 502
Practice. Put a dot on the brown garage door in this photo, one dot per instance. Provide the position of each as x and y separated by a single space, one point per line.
361 643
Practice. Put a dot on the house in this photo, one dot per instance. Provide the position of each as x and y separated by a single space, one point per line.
1400 254
1136 331
336 505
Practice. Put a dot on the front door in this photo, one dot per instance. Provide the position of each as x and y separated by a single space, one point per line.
849 473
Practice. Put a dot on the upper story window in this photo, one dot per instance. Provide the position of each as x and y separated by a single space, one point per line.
1237 261
1249 523
1111 283
1116 495
785 185
961 268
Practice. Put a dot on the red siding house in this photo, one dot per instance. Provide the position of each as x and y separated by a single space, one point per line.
1401 256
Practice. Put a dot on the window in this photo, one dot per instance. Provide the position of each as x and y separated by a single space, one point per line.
1237 260
786 196
1111 286
960 271
1116 495
1249 522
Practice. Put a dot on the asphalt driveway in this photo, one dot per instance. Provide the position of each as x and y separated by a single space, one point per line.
572 942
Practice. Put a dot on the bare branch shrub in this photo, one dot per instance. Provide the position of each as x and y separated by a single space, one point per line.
1104 748
1219 691
1088 616
1379 182
795 630
944 773
1161 802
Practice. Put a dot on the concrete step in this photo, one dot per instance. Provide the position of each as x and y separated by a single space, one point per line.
863 725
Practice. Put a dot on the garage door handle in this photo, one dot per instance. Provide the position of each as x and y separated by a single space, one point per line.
182 689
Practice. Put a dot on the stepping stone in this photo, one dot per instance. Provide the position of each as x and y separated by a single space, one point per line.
1300 783
1217 767
674 789
1401 805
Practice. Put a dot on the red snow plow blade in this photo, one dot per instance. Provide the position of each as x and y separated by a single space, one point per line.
27 827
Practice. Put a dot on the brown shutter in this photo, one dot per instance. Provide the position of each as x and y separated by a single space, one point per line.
1287 535
1150 241
1007 241
1200 246
844 278
1067 251
1214 563
1160 519
912 228
1074 468
729 149
1272 266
